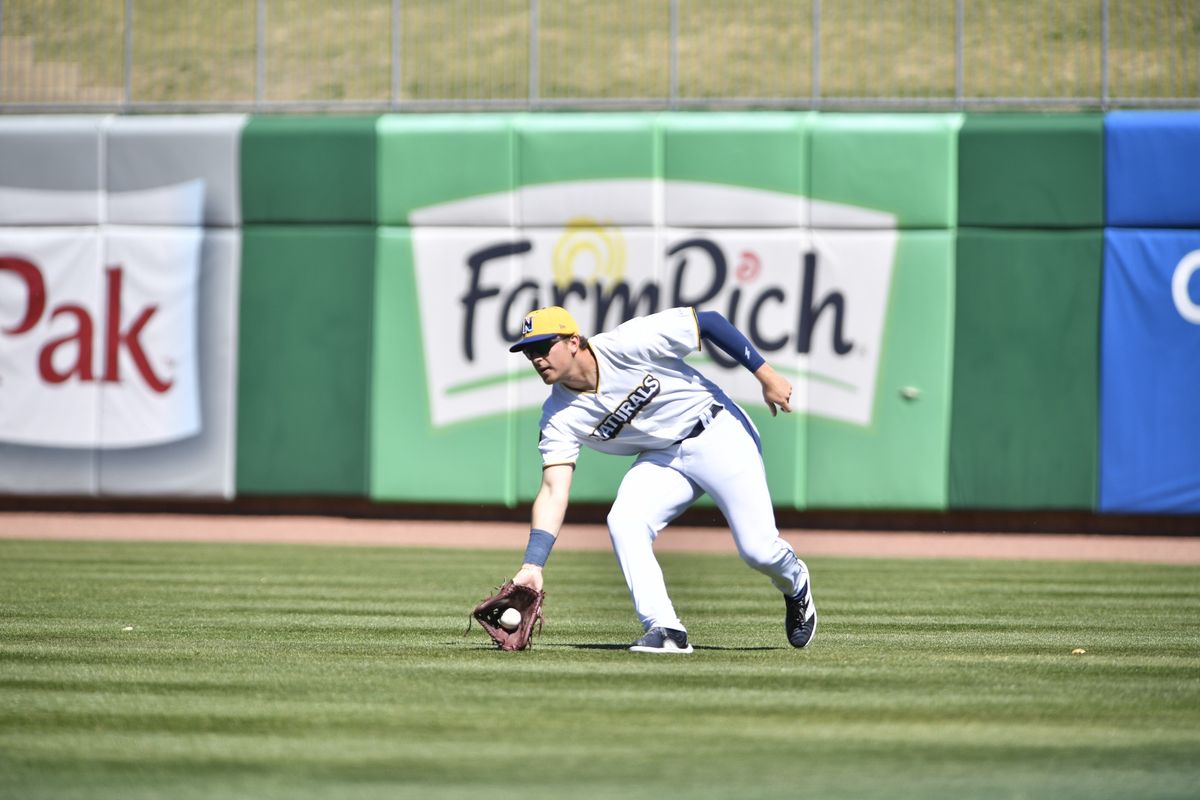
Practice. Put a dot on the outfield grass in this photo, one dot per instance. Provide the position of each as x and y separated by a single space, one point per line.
321 672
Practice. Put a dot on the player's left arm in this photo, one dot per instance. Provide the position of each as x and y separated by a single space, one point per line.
776 389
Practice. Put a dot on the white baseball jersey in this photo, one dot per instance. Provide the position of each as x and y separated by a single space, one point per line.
646 400
646 397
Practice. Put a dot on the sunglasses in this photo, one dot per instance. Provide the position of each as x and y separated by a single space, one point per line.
541 349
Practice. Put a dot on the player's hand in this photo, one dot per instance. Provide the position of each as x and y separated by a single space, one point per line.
777 391
529 575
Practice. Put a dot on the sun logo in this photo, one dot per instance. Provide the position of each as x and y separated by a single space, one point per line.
587 247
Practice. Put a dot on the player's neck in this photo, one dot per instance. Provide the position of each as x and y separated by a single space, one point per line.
584 374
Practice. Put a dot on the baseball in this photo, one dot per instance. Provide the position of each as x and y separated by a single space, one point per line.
510 620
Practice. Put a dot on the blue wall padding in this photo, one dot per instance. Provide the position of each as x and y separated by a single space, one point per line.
1150 373
1152 169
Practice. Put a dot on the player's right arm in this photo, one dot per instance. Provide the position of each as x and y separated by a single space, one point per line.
549 510
550 505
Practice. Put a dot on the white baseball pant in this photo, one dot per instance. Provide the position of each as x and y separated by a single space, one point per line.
723 461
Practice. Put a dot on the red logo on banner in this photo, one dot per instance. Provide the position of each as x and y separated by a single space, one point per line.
83 337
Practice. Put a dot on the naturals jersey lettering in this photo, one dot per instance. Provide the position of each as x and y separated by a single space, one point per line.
646 398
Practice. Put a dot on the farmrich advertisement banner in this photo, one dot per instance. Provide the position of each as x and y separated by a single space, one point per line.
841 277
815 305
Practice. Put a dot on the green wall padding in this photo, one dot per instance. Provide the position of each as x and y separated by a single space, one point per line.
430 159
903 164
1025 416
412 459
766 150
575 147
1031 171
898 460
309 169
304 359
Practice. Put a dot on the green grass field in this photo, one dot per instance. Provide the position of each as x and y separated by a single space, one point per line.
321 672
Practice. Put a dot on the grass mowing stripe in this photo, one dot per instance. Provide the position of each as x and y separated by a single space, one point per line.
315 672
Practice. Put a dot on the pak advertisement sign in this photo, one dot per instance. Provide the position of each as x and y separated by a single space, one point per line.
1150 372
118 266
99 332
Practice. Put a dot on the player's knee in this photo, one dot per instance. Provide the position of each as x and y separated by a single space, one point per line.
624 522
618 519
762 558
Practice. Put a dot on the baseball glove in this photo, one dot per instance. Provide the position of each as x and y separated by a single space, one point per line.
524 599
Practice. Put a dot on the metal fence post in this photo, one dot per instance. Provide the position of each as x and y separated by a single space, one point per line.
533 52
959 23
260 54
395 54
128 45
816 51
674 45
1104 55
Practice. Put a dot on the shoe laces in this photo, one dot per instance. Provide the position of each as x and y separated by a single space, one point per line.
799 605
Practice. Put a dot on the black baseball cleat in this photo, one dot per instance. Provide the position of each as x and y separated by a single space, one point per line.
801 621
662 640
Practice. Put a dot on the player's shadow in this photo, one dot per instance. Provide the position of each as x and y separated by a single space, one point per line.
582 646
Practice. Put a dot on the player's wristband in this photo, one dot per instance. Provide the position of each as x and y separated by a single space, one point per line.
538 549
721 332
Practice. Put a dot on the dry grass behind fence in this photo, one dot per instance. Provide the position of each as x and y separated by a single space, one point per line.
472 51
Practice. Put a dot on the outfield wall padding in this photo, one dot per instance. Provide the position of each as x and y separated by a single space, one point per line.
766 151
145 154
131 223
1027 331
60 158
930 283
555 149
57 156
410 458
304 359
898 459
309 170
201 465
1031 170
428 160
1150 390
900 164
1152 161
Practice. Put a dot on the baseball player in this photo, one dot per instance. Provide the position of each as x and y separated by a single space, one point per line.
629 392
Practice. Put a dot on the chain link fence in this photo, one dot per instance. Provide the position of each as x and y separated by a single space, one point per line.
400 55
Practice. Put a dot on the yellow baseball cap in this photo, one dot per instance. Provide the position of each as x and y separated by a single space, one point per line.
543 324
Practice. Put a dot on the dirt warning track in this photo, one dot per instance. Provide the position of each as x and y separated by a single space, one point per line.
318 530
